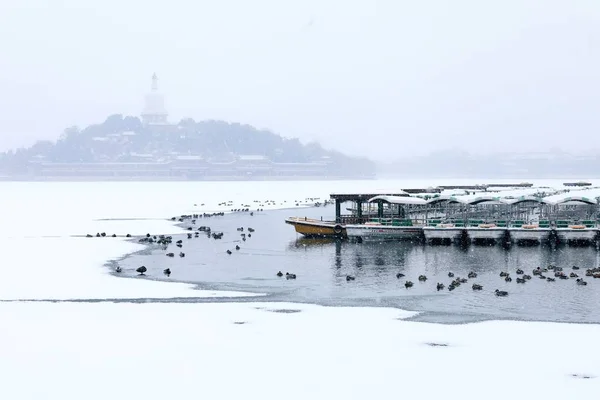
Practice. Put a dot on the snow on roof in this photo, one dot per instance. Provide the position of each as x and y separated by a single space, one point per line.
399 199
576 196
449 199
522 199
573 200
484 199
375 191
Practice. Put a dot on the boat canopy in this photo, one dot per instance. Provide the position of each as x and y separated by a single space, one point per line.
576 200
485 199
398 200
447 198
523 199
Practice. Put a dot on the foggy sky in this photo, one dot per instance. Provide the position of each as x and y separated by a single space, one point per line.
383 79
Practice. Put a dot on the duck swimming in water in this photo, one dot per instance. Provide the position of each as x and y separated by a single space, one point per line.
501 293
118 270
408 284
472 275
581 282
520 271
477 286
450 274
167 272
141 270
280 274
440 286
422 278
399 275
349 278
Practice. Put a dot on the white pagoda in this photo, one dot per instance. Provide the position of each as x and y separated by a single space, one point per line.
154 108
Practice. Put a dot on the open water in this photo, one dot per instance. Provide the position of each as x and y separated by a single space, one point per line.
321 266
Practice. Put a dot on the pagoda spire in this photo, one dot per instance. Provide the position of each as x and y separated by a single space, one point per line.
154 82
154 112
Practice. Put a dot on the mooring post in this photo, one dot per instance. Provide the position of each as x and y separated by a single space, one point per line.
380 209
359 214
338 211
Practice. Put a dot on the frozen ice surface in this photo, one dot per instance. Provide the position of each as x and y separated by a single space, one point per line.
278 351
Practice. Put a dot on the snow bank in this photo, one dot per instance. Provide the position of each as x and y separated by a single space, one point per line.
178 351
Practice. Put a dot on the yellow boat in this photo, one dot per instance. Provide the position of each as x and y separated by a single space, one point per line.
316 228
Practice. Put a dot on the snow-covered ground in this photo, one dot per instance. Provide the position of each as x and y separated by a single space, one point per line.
109 350
191 351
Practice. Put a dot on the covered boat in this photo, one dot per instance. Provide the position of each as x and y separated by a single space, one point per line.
389 228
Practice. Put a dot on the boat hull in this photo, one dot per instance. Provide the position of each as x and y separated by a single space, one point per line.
476 233
316 228
532 235
383 232
439 233
569 234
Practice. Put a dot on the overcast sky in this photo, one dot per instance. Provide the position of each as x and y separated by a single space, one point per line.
383 79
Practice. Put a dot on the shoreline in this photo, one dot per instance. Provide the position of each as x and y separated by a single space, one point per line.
278 296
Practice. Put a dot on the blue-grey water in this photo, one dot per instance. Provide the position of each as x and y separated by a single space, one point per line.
321 266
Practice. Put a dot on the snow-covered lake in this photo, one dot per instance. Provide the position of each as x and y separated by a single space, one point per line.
92 343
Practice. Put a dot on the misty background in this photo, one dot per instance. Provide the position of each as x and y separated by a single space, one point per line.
383 79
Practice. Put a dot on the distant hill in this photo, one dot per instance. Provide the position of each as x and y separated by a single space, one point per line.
120 141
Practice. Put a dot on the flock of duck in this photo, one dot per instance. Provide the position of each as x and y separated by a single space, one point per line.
315 201
521 277
165 241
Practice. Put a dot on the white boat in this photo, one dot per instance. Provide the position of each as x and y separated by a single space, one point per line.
374 231
390 228
442 232
576 233
530 233
486 232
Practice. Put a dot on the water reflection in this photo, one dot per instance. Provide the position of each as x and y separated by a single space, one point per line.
322 265
375 266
